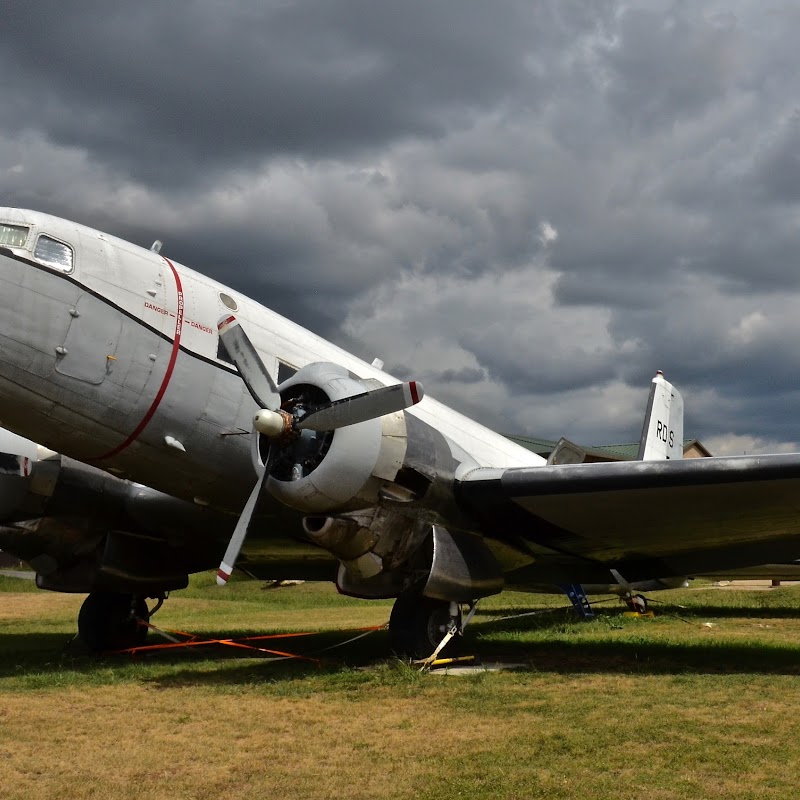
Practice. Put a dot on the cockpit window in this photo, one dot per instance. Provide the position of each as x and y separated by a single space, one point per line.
13 235
53 253
285 371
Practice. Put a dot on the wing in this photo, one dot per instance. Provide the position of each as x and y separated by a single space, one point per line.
646 519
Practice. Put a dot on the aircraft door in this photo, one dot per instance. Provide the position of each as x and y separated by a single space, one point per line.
91 342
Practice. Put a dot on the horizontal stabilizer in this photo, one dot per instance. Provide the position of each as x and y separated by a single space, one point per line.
566 452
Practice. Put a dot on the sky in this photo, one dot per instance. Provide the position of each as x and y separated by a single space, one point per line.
530 207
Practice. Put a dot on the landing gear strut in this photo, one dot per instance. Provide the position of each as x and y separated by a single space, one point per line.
418 624
110 621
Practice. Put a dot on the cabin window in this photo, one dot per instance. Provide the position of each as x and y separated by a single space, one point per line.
13 235
54 253
228 301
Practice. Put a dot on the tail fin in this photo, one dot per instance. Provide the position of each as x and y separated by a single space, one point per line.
662 434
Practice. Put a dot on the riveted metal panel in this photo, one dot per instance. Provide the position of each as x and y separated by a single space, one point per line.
91 343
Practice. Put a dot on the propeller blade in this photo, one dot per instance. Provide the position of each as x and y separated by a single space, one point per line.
240 531
255 375
361 407
621 581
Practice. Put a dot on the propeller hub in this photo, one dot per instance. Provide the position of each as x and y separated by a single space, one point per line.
273 424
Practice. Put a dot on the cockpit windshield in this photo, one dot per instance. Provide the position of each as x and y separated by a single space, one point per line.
13 235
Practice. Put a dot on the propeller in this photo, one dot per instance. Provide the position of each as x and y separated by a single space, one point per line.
361 407
240 531
276 424
633 599
254 374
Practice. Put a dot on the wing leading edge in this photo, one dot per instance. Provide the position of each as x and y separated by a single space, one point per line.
646 519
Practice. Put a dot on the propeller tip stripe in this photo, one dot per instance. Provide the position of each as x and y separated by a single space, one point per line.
416 391
223 576
225 321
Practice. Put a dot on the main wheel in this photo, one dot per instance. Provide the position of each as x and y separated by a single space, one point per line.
110 621
637 603
418 624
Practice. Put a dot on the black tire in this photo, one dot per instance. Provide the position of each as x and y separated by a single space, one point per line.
418 624
105 621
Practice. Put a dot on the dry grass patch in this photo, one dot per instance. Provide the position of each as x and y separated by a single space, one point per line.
28 606
670 709
136 742
184 613
602 737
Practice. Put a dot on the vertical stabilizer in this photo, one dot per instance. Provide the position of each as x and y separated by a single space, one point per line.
662 433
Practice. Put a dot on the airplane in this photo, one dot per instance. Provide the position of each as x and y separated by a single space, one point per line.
30 504
208 425
86 498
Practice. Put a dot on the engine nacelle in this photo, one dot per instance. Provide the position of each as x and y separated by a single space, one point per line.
376 495
82 529
394 457
28 476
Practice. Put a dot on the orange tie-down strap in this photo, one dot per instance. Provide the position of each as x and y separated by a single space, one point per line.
242 643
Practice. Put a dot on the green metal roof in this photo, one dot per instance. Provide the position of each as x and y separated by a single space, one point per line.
628 451
623 452
540 446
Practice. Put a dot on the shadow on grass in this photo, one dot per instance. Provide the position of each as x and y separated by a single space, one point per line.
710 611
646 657
661 608
533 612
43 654
564 658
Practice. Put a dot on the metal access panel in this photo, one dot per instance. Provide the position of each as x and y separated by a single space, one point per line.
91 341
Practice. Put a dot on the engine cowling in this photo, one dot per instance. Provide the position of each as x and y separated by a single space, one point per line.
28 475
334 471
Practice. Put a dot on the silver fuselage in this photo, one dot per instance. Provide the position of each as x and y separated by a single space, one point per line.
109 360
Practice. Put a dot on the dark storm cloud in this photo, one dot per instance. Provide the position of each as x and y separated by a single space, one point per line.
464 375
779 165
531 207
670 63
175 90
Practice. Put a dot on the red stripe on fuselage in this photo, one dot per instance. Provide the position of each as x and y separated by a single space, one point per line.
176 346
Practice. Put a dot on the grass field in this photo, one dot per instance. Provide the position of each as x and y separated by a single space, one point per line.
701 702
